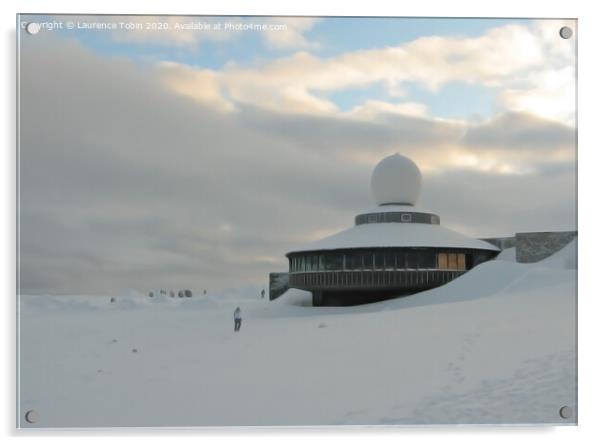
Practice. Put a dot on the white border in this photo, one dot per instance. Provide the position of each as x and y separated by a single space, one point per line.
590 372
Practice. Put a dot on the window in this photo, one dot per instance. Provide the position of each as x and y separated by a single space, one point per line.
443 261
400 259
379 260
389 260
406 217
461 261
453 261
368 261
354 261
412 260
426 260
334 262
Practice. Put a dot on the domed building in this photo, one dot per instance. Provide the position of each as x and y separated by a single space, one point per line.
394 249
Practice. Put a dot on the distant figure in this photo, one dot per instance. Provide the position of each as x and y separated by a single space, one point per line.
262 293
151 294
237 319
172 294
204 291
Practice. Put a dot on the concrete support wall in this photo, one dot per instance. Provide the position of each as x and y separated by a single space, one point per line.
278 284
535 246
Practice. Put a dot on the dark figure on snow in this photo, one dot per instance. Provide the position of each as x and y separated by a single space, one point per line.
237 319
262 293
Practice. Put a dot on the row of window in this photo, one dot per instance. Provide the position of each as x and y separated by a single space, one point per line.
378 260
402 217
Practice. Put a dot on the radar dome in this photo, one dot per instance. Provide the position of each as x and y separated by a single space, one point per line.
396 180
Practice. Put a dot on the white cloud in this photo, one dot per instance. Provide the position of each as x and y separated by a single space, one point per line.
292 34
201 85
189 31
531 67
548 93
372 109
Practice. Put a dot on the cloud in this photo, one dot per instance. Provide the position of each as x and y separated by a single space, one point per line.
520 131
290 33
201 85
125 184
372 109
530 67
189 31
549 93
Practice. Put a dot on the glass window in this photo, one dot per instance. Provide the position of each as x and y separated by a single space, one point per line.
338 262
321 263
379 260
400 259
412 260
452 261
389 260
461 261
443 261
368 261
354 261
334 262
426 260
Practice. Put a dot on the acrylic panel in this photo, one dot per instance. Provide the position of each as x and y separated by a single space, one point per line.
295 221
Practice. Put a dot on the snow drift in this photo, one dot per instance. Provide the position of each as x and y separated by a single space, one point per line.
497 345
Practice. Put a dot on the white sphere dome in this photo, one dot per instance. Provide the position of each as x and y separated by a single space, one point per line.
396 180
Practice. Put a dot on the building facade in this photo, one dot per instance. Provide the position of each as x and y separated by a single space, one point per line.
393 249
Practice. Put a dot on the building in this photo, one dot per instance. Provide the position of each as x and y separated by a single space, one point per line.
395 248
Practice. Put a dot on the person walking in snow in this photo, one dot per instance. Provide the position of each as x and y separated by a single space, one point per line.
237 319
262 293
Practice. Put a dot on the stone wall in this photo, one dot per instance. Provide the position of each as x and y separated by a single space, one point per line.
278 284
535 246
502 242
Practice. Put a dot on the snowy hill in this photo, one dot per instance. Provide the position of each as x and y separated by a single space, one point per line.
497 345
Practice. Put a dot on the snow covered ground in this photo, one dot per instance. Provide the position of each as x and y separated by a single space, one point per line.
497 345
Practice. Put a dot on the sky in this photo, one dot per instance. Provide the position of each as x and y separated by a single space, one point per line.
176 158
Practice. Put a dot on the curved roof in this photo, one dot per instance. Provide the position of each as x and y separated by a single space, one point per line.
396 235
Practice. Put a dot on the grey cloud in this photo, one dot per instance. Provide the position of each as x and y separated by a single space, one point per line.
486 205
125 185
513 131
337 133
